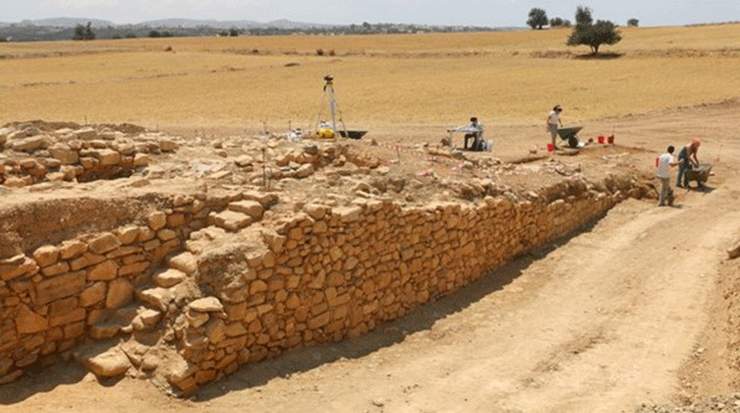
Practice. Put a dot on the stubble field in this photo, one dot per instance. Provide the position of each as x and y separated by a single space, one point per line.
411 80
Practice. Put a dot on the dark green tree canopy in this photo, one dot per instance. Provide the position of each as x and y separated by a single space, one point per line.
537 18
559 22
84 32
584 16
633 22
593 35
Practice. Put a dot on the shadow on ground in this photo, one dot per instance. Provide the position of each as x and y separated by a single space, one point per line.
600 56
45 380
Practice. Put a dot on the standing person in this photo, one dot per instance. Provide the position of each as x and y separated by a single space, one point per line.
553 122
665 162
687 159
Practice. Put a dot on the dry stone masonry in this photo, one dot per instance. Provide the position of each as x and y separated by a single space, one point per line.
235 251
213 280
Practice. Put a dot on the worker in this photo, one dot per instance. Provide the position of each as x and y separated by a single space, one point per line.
664 164
473 131
553 122
687 160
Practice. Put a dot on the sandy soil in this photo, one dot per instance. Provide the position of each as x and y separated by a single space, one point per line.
600 322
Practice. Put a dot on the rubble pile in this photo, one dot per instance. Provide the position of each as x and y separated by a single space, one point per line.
32 153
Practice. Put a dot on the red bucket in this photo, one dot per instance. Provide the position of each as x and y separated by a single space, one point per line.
602 140
550 147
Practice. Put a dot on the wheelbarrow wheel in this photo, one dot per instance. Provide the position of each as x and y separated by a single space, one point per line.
573 142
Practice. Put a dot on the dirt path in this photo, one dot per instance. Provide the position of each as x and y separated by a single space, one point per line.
600 324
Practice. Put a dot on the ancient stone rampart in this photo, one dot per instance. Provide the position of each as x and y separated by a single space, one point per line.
205 300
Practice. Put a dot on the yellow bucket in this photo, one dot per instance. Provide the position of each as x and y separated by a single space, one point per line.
326 133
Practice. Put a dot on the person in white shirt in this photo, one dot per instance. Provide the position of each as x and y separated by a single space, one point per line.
665 162
553 122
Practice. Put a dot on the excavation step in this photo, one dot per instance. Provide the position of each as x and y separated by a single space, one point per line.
184 262
104 359
230 220
158 298
146 320
252 208
169 278
110 323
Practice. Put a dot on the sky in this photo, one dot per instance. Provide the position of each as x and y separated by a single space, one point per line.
497 13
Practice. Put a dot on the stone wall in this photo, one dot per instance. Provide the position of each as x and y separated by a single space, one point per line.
211 300
59 296
332 273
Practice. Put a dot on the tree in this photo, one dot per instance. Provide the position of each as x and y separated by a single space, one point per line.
79 32
84 32
595 35
537 19
633 22
583 16
557 22
155 34
89 33
233 32
587 33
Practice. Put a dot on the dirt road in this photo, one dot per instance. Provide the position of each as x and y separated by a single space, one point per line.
601 323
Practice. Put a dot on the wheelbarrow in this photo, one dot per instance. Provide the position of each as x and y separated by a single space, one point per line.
353 134
570 135
699 174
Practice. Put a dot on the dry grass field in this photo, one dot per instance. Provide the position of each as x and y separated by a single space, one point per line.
512 77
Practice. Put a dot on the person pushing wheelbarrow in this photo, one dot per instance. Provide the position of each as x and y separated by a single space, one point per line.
688 161
553 122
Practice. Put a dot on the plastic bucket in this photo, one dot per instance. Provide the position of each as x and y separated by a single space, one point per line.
550 147
602 140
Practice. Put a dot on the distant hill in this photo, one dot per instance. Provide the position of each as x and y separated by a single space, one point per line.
66 22
193 23
228 24
62 28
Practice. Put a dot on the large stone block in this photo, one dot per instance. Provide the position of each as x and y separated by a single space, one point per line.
65 154
105 271
104 243
58 287
120 293
251 208
46 255
29 322
20 265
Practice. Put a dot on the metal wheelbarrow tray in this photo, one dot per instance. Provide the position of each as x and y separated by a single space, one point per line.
700 174
570 135
353 134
